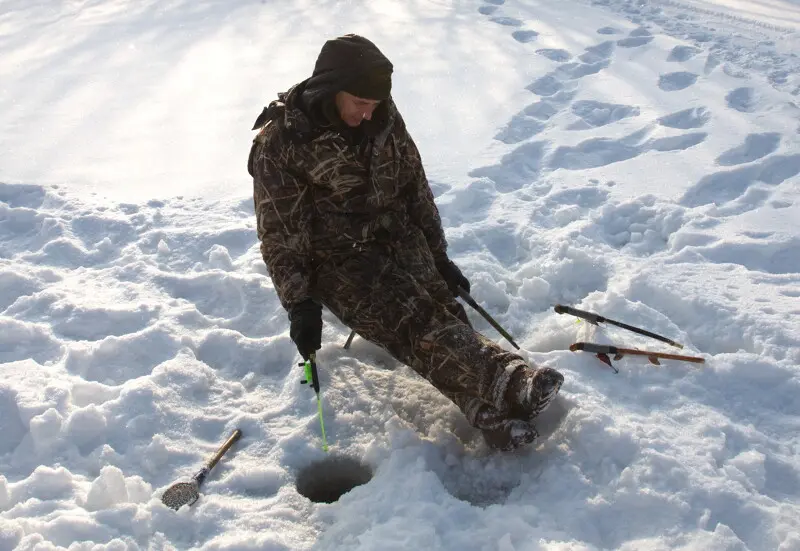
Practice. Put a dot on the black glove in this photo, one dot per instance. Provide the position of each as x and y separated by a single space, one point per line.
305 329
453 277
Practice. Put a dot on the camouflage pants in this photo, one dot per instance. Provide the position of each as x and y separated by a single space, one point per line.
393 296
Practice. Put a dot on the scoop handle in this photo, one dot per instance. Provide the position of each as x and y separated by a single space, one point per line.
224 448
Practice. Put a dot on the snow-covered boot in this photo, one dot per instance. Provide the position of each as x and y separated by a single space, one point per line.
502 433
531 391
511 435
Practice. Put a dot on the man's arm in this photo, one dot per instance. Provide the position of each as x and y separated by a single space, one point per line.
421 206
424 213
283 217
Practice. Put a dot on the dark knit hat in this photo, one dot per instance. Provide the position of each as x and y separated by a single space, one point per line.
374 84
353 64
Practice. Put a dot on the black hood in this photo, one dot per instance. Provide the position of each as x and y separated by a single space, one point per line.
342 61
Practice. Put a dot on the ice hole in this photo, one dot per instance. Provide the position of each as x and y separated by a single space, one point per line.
327 480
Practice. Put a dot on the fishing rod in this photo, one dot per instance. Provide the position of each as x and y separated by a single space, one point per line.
603 353
596 319
471 301
312 378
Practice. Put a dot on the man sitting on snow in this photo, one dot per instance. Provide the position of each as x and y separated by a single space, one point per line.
346 219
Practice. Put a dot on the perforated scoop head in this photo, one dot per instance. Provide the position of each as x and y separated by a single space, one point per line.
186 493
180 494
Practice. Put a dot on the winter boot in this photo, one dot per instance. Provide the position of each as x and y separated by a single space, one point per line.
531 391
513 434
502 433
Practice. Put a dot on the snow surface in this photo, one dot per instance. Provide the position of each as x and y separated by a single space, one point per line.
636 159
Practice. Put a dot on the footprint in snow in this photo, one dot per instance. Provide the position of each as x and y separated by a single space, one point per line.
547 85
634 42
680 80
641 31
729 185
742 99
607 30
758 234
520 128
694 117
555 55
595 59
558 90
755 146
469 205
516 170
683 53
601 52
545 109
677 143
507 21
524 36
637 37
599 152
573 71
594 114
531 120
490 9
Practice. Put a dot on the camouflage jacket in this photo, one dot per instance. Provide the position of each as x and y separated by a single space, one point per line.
318 196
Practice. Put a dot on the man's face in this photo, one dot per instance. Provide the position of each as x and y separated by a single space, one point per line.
353 109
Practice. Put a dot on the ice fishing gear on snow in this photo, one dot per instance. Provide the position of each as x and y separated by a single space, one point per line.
596 318
471 301
187 492
603 351
312 378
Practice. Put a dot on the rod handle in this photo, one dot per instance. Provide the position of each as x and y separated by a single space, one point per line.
471 301
224 448
583 314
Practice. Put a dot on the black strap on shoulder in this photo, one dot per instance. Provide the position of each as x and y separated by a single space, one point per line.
269 113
